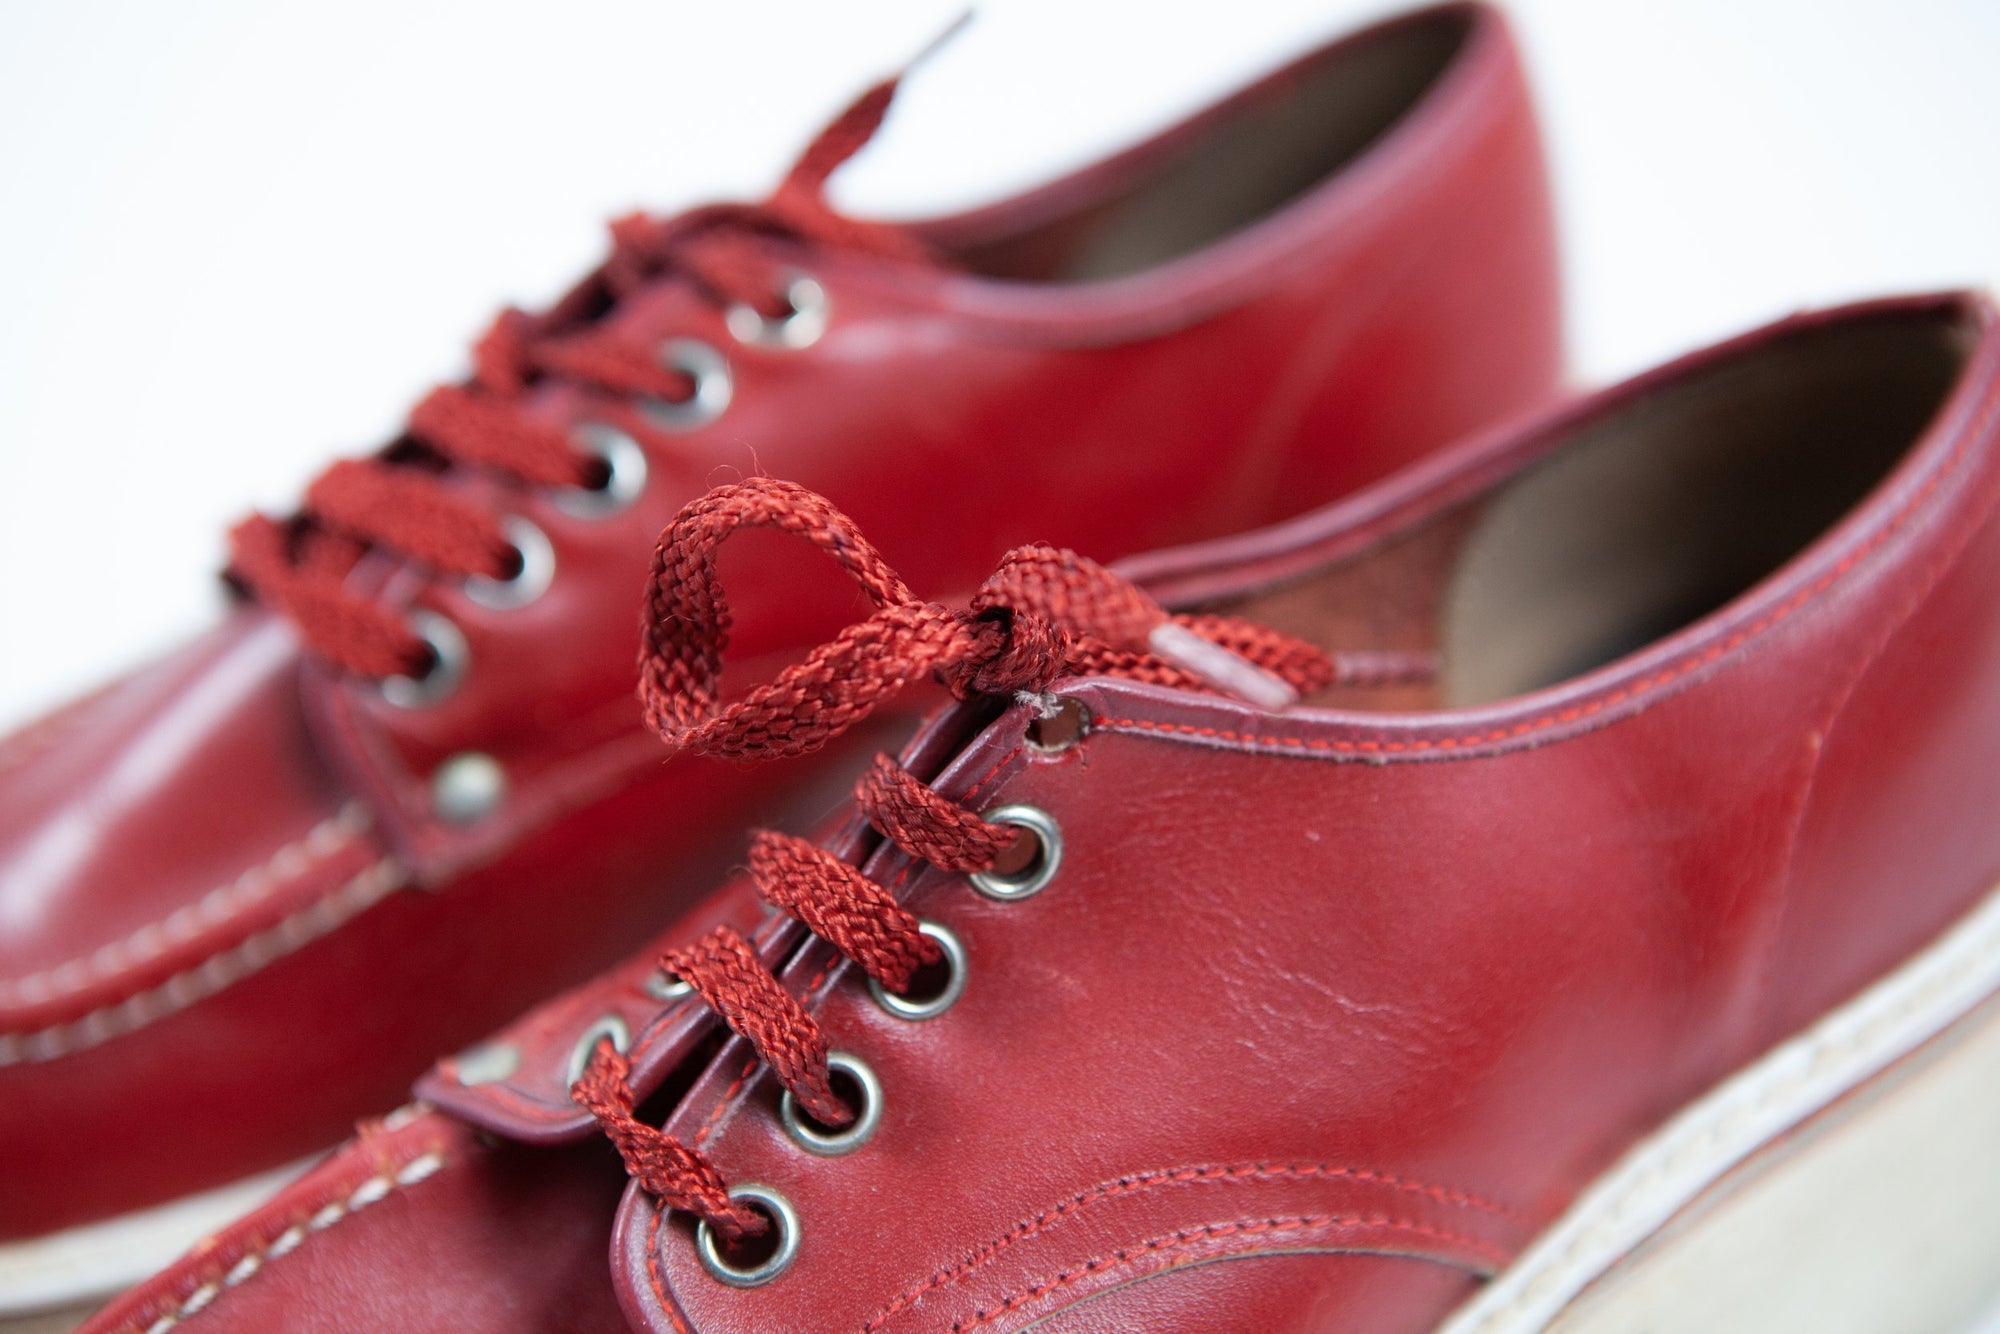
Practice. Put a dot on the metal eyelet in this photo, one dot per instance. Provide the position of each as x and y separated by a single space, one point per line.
810 308
624 473
538 569
487 1063
903 1007
832 1143
1037 874
664 986
607 1026
467 787
783 1217
1064 723
449 659
713 386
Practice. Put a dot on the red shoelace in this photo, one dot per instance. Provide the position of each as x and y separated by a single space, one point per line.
402 501
1043 613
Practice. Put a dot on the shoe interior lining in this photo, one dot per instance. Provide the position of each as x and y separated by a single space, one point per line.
1656 514
1673 507
1261 157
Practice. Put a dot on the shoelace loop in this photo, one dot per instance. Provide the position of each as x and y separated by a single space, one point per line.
1044 612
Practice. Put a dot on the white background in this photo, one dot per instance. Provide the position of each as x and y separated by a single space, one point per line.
236 238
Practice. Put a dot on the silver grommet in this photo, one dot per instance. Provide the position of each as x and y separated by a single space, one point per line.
783 1217
712 386
903 1007
809 310
467 786
624 473
664 986
607 1026
1059 724
538 569
1038 873
832 1143
449 659
487 1063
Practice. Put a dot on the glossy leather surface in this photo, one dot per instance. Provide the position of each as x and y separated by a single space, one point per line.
226 896
1327 1012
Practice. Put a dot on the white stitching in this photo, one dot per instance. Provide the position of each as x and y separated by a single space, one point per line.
255 1259
220 970
214 909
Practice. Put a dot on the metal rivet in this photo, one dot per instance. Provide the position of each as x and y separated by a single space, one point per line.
467 787
904 1007
449 660
624 473
487 1063
786 1245
713 386
809 310
1065 722
832 1143
607 1026
530 581
664 986
1038 873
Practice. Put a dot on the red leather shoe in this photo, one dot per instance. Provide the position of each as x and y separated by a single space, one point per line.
1628 868
251 890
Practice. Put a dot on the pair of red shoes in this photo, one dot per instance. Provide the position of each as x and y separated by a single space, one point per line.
1544 888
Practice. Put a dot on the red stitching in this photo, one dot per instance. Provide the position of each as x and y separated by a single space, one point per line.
1150 1180
667 1304
722 1104
1182 1240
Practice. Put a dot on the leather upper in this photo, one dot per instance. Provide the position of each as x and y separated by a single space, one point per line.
227 893
1327 1010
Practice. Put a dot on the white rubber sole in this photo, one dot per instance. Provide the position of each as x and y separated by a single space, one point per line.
1848 1182
89 1263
